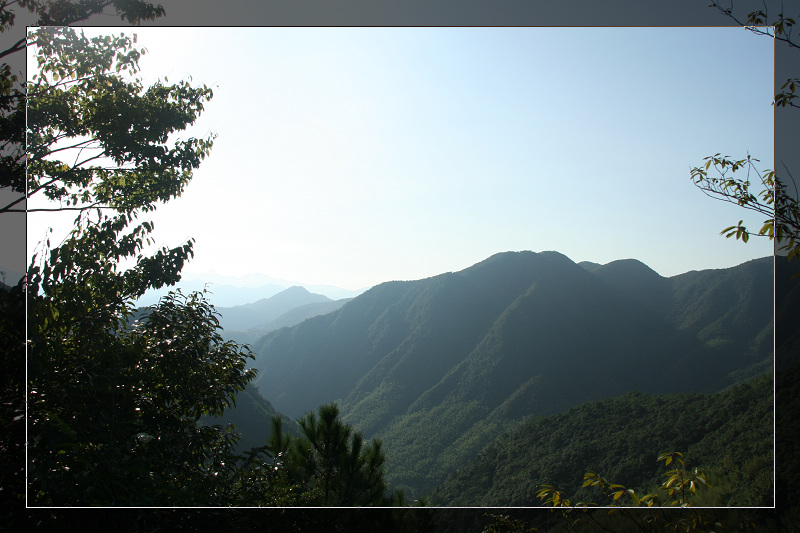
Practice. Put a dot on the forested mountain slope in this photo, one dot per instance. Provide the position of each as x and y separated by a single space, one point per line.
439 367
729 435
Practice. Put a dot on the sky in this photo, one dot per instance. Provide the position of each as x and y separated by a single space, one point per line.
354 156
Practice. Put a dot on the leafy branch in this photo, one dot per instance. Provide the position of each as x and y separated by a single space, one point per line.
779 29
79 103
757 22
773 200
677 490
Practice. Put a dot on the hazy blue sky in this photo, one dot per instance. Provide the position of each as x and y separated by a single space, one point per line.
354 156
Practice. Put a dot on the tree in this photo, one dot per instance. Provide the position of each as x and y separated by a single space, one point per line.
775 199
327 465
12 94
114 401
12 399
81 109
337 462
268 477
12 180
113 414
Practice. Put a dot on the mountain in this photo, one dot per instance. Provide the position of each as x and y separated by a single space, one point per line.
289 318
634 279
715 306
303 312
588 265
261 312
228 291
220 295
439 367
728 435
257 281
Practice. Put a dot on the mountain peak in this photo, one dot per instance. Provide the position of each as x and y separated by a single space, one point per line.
628 267
588 265
523 259
243 317
296 289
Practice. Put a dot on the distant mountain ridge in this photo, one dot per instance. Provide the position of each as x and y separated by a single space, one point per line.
292 316
227 291
247 323
520 334
243 317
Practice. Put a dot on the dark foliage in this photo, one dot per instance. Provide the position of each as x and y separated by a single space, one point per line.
251 419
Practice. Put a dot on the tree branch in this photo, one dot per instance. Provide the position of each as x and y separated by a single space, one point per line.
729 13
39 188
33 149
7 208
51 152
98 156
790 177
722 197
53 210
17 46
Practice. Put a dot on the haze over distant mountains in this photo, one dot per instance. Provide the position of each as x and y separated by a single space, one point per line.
241 317
229 291
440 367
247 323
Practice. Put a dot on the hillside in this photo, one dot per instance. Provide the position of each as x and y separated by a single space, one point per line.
518 335
728 434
